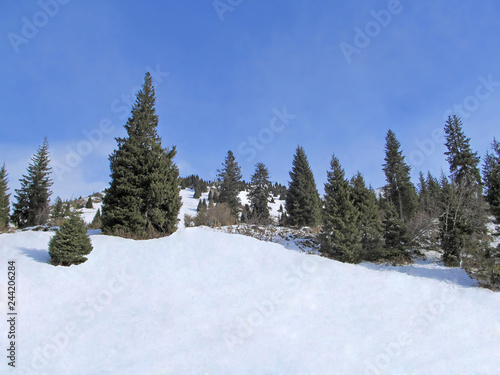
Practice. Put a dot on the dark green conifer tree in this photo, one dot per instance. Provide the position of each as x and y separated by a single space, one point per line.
4 199
303 205
96 221
71 243
463 221
143 198
399 190
370 223
260 192
434 189
58 211
89 203
429 192
464 163
32 206
340 236
230 183
202 205
67 209
395 233
423 193
197 192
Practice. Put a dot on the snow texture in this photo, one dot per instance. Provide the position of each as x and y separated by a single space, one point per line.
206 302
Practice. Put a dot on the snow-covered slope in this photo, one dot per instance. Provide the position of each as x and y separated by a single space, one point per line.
205 302
189 204
89 213
273 207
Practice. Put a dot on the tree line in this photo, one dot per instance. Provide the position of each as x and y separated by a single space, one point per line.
143 199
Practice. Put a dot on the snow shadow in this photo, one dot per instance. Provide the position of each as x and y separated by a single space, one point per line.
41 256
430 270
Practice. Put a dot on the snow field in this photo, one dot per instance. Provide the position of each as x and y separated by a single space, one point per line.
206 302
202 302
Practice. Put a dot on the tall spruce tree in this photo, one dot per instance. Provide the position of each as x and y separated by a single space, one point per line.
32 205
464 163
71 243
399 190
4 199
491 175
463 221
143 198
340 236
260 192
230 183
303 205
370 223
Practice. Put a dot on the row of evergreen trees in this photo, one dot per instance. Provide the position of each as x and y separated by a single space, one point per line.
450 212
194 182
143 198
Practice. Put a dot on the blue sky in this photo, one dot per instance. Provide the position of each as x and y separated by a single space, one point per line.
258 78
